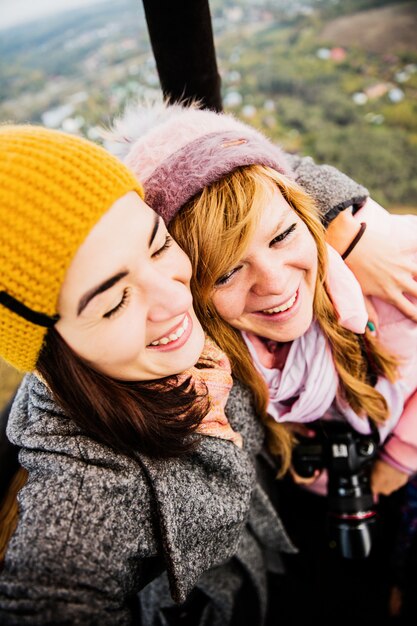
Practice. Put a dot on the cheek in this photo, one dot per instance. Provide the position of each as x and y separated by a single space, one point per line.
182 263
308 251
228 303
122 341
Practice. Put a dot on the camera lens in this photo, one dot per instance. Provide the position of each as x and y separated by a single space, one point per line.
351 515
352 537
347 457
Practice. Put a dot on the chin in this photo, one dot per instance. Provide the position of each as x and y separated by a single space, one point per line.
192 353
290 333
300 331
197 344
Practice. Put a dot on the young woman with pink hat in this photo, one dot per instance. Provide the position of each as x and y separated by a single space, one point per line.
196 179
282 305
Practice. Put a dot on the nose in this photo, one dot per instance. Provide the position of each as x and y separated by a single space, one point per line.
268 277
168 296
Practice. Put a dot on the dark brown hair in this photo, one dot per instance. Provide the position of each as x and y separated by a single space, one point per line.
155 417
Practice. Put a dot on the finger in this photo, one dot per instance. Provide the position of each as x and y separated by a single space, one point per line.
372 316
403 277
303 480
378 488
300 429
406 307
410 288
393 284
395 279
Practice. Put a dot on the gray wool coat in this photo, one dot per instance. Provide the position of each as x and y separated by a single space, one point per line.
95 526
105 539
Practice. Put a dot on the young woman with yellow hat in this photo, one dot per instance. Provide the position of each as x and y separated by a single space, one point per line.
129 509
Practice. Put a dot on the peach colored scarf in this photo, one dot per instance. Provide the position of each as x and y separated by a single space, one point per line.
214 373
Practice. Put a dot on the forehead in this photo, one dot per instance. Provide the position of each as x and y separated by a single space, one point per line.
128 220
273 215
120 238
127 213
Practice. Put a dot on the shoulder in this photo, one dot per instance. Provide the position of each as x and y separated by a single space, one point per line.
76 486
243 417
332 190
86 525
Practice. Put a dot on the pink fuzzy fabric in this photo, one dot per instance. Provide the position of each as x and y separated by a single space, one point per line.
180 150
201 162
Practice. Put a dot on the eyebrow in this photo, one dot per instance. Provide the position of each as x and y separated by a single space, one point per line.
95 291
277 227
110 282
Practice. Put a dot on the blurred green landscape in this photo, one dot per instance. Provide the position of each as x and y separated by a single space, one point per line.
335 79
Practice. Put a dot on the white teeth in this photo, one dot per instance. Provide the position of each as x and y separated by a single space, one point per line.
283 307
173 336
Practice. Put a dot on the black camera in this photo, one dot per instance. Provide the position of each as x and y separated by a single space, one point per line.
347 456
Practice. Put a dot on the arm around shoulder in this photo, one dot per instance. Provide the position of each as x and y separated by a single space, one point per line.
332 190
401 447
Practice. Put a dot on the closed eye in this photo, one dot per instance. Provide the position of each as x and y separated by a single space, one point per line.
284 235
120 305
167 244
226 277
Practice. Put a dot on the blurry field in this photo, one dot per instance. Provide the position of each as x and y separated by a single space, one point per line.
404 209
368 29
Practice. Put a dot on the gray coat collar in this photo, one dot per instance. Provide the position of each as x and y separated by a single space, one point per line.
202 504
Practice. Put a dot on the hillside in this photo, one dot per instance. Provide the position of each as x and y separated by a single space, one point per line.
391 28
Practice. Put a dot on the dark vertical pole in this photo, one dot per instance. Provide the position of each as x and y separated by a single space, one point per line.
182 41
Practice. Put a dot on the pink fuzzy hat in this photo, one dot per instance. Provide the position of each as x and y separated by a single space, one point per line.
180 150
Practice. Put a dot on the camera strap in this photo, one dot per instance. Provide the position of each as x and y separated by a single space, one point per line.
374 432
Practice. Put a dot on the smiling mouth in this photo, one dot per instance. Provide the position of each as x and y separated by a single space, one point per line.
174 336
283 307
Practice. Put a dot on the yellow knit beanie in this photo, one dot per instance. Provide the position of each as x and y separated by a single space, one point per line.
53 188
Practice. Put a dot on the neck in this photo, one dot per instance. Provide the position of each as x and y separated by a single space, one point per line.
272 354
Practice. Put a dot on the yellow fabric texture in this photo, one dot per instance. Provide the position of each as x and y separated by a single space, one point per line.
53 188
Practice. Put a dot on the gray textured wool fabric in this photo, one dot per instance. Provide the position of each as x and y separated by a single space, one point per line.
332 190
95 526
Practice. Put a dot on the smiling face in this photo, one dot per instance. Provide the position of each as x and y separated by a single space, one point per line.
125 305
270 290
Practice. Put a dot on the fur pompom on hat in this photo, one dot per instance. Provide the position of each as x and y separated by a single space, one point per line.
54 187
179 150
